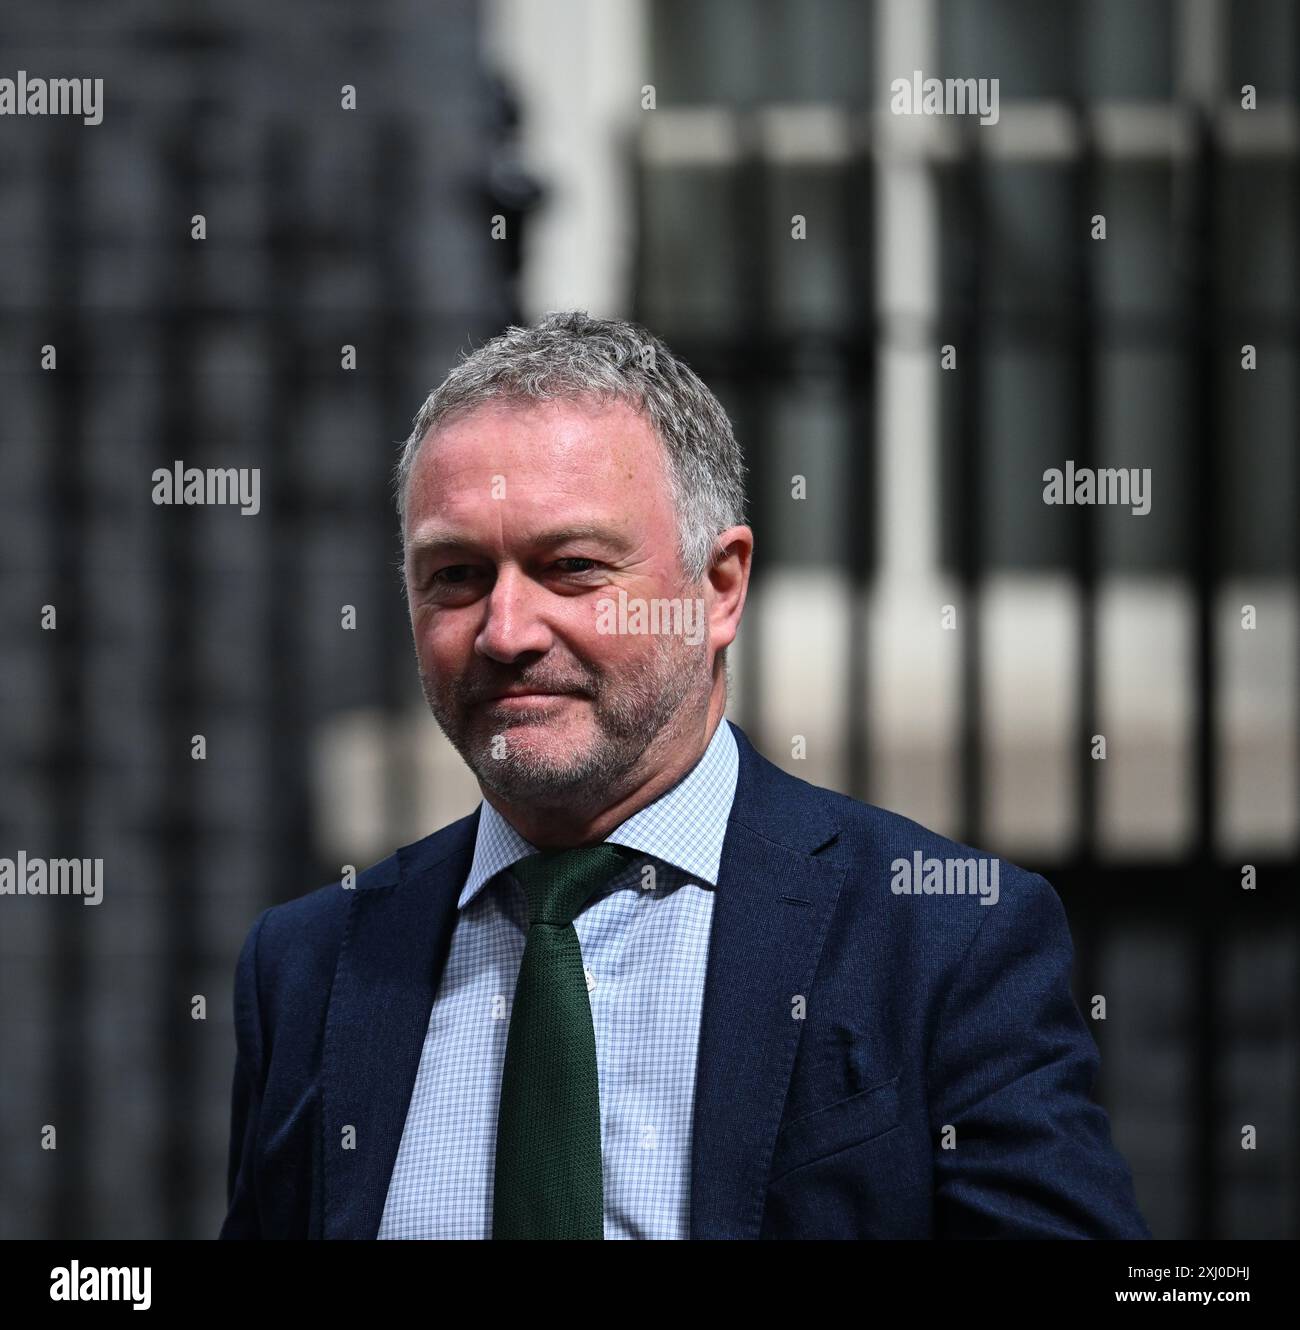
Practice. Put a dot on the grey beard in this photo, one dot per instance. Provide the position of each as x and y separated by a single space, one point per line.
628 714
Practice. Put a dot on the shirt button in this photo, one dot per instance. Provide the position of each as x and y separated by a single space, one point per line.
591 978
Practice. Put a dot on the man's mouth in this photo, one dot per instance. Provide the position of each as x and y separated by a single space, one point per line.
517 699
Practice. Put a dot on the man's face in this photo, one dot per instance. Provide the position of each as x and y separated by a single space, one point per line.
521 523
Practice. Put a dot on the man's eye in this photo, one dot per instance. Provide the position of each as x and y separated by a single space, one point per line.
458 574
441 577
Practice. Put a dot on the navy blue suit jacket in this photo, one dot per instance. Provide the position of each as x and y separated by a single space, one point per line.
919 1013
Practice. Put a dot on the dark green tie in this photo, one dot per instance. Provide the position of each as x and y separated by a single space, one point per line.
548 1174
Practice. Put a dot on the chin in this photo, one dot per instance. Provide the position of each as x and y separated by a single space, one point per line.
542 738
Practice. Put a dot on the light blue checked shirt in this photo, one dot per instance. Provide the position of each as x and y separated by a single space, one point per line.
645 952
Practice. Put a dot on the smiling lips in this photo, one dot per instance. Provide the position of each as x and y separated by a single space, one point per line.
522 698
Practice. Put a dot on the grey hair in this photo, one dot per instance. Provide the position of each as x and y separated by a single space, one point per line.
569 355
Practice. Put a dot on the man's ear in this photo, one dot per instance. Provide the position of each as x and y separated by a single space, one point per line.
728 579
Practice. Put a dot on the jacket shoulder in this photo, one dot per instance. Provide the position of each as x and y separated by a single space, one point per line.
918 882
301 938
864 834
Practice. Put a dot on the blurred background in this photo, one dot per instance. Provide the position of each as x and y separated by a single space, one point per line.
649 158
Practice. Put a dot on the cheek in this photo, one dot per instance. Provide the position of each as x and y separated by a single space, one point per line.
442 643
606 649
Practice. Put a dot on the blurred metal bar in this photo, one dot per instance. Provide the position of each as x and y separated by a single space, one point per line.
975 333
1083 333
186 706
69 649
856 363
289 241
1204 554
182 710
394 333
753 327
1084 337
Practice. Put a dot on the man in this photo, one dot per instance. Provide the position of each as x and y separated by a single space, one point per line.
652 986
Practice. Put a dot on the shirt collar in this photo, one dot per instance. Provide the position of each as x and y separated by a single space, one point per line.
684 827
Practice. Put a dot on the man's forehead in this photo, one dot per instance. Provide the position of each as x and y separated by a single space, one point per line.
595 498
562 421
432 538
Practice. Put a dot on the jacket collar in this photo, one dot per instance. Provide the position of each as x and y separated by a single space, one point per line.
773 903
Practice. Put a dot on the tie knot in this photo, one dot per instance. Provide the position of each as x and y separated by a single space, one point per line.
558 883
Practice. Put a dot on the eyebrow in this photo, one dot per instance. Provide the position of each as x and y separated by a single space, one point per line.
438 541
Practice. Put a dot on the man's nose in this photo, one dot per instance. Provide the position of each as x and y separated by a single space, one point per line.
512 621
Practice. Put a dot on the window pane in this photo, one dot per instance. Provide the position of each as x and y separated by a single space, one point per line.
746 51
1088 48
1263 47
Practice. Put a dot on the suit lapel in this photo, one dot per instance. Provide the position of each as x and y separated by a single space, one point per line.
771 911
388 970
